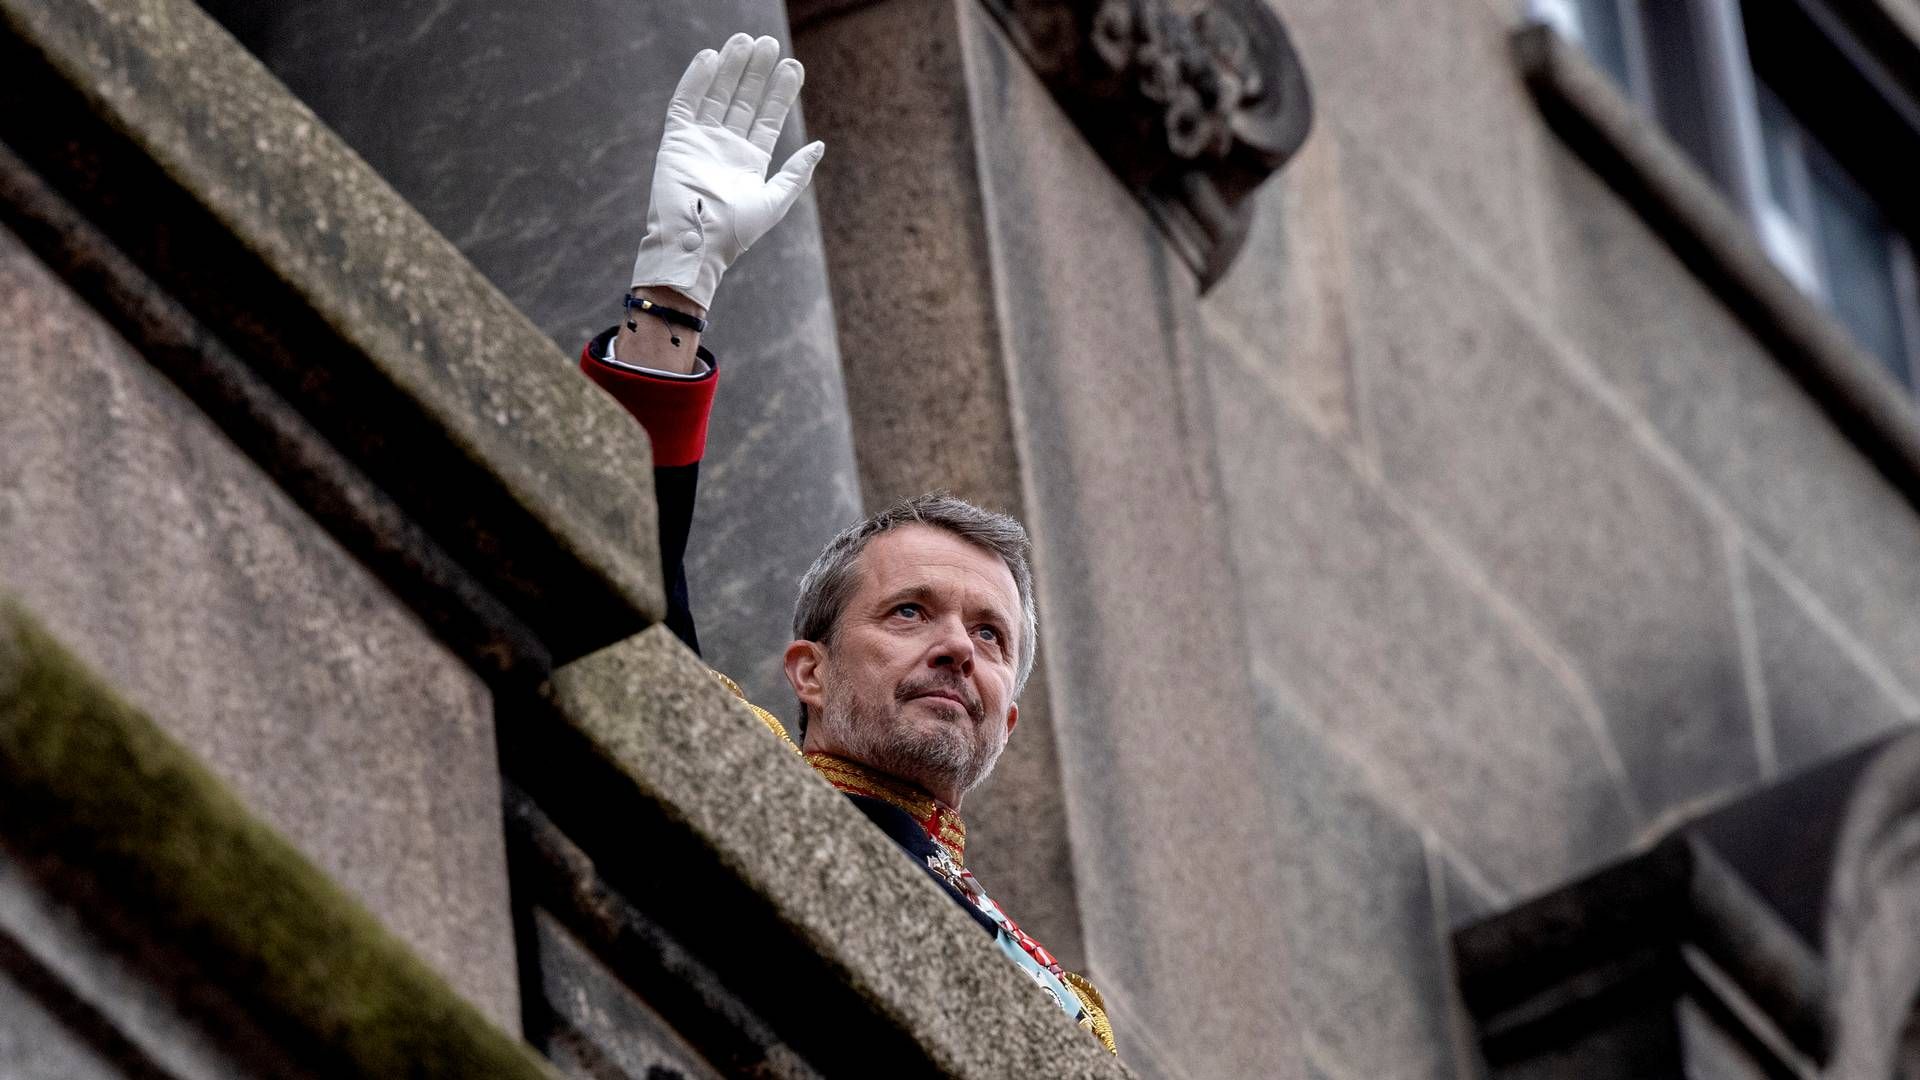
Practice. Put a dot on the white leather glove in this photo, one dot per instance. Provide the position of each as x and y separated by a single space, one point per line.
711 195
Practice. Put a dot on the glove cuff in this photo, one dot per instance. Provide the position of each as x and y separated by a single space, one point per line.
669 263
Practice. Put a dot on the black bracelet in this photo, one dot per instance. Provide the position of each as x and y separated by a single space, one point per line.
671 316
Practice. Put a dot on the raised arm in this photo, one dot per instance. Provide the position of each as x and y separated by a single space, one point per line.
711 199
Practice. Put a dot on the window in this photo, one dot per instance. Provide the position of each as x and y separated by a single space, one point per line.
1829 235
1609 31
1811 134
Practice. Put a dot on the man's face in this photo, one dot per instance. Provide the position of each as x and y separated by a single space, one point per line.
918 681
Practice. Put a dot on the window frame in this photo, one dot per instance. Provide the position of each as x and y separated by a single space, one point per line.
1705 93
1564 17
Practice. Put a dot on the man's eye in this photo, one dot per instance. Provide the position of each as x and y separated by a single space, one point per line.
907 611
991 633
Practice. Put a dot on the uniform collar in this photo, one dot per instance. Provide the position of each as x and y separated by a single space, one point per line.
942 822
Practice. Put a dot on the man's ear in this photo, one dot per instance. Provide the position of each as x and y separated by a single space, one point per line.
804 661
1013 717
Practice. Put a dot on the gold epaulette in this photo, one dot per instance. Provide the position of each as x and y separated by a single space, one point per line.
1098 1023
767 718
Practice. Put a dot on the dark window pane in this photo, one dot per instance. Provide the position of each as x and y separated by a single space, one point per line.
1605 39
1858 250
1778 135
1687 98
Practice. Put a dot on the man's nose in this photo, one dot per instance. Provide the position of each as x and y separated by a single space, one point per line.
954 648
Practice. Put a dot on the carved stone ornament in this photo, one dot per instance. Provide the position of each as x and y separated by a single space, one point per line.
1193 103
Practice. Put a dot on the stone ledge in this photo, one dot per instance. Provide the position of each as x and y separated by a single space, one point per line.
109 814
1684 209
177 145
1567 960
804 908
1786 912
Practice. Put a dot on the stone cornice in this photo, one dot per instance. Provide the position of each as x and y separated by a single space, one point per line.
1784 915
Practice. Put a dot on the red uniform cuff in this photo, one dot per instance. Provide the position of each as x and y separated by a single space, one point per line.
673 410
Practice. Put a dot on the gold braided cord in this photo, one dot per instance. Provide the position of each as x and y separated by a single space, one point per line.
851 776
767 718
1101 1027
732 687
944 823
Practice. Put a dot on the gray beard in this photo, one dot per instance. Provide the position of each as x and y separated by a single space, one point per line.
947 759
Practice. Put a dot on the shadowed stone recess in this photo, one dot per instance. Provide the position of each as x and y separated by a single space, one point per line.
599 957
1481 423
69 1007
602 1026
178 570
526 134
817 869
1153 709
1387 655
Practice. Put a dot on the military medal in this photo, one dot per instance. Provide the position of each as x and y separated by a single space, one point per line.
1029 955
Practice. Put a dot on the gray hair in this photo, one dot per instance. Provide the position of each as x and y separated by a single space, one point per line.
829 583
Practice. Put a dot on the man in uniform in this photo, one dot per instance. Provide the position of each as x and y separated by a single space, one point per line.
914 631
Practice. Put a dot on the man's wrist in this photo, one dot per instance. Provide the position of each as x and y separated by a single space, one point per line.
647 342
668 296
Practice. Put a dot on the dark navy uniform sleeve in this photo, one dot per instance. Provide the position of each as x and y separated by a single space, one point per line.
674 410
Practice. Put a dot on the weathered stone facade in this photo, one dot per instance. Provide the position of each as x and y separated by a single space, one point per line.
337 732
1494 516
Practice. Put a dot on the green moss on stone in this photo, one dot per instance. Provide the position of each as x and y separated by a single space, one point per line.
86 781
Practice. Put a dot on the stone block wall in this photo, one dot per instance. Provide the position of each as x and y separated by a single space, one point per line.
1541 548
1460 540
151 925
295 674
